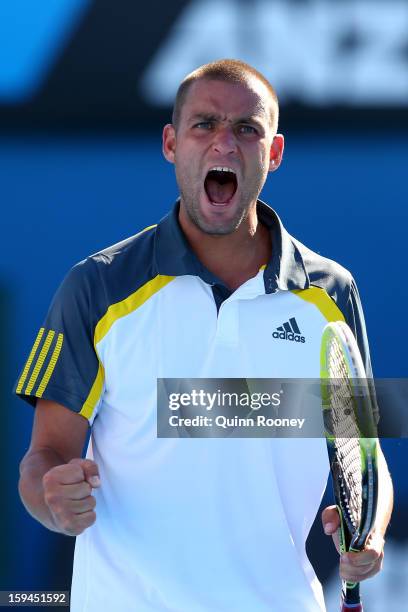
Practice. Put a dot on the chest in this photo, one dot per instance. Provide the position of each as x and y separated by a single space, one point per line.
181 333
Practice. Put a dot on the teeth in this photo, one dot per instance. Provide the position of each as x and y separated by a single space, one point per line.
222 169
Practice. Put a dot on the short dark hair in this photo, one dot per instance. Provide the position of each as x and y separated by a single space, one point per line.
229 70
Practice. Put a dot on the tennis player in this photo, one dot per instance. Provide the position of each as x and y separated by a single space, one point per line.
218 288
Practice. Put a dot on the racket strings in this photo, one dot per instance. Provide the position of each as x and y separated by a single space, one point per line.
346 435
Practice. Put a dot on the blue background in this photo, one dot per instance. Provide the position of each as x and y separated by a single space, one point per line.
344 195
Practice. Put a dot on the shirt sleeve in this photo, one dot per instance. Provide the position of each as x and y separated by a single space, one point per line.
63 364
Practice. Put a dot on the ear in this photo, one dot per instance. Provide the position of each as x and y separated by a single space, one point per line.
276 152
169 142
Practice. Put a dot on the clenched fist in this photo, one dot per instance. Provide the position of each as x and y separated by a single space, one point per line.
68 495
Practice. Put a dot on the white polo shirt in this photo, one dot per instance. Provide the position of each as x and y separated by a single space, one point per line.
190 524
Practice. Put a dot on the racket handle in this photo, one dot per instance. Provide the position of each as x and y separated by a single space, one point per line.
351 607
350 597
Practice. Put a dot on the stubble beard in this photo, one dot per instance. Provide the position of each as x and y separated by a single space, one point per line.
192 207
191 199
190 196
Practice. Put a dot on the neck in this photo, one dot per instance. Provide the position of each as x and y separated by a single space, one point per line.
235 257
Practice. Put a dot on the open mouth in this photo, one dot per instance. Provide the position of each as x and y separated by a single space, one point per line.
220 185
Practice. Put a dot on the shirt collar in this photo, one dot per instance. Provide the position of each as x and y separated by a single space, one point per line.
285 270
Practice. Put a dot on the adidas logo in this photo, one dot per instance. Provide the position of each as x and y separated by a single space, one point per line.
289 331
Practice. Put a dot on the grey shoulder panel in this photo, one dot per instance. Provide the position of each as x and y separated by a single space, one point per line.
124 267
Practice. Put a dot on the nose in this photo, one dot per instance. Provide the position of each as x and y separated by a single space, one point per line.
224 140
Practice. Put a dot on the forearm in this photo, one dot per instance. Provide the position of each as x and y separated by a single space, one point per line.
32 469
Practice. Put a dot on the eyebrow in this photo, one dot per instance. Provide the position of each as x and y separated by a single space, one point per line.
214 117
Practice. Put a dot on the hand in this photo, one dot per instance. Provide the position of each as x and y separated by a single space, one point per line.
354 566
68 495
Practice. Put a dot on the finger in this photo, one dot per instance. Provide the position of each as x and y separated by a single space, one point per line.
351 574
360 559
72 507
74 525
64 493
90 471
64 474
353 570
336 540
330 520
77 491
79 506
84 520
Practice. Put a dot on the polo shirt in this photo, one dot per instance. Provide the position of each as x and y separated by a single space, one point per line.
191 524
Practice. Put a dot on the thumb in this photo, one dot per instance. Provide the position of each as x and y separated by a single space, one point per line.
330 520
90 470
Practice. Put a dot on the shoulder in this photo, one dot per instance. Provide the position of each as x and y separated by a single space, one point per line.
130 254
341 287
121 266
110 275
325 273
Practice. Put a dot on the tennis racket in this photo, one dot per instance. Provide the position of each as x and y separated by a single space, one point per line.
350 429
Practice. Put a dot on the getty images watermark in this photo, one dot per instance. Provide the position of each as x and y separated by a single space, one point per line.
229 408
255 408
209 401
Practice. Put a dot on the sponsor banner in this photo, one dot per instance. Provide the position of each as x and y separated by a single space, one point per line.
281 408
72 64
315 52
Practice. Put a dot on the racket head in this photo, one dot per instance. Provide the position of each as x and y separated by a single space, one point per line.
350 430
348 402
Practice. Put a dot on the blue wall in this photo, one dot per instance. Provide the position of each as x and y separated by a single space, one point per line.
61 199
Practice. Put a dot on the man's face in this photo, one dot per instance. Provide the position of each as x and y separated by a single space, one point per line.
222 152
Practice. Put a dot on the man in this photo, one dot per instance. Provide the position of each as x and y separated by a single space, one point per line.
190 525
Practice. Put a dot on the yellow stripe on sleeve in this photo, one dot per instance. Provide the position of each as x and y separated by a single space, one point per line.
50 368
115 312
321 299
29 360
40 361
94 394
128 305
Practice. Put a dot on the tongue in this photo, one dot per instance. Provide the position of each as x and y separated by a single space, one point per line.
218 193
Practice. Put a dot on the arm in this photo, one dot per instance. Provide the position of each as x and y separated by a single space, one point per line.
356 567
55 483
